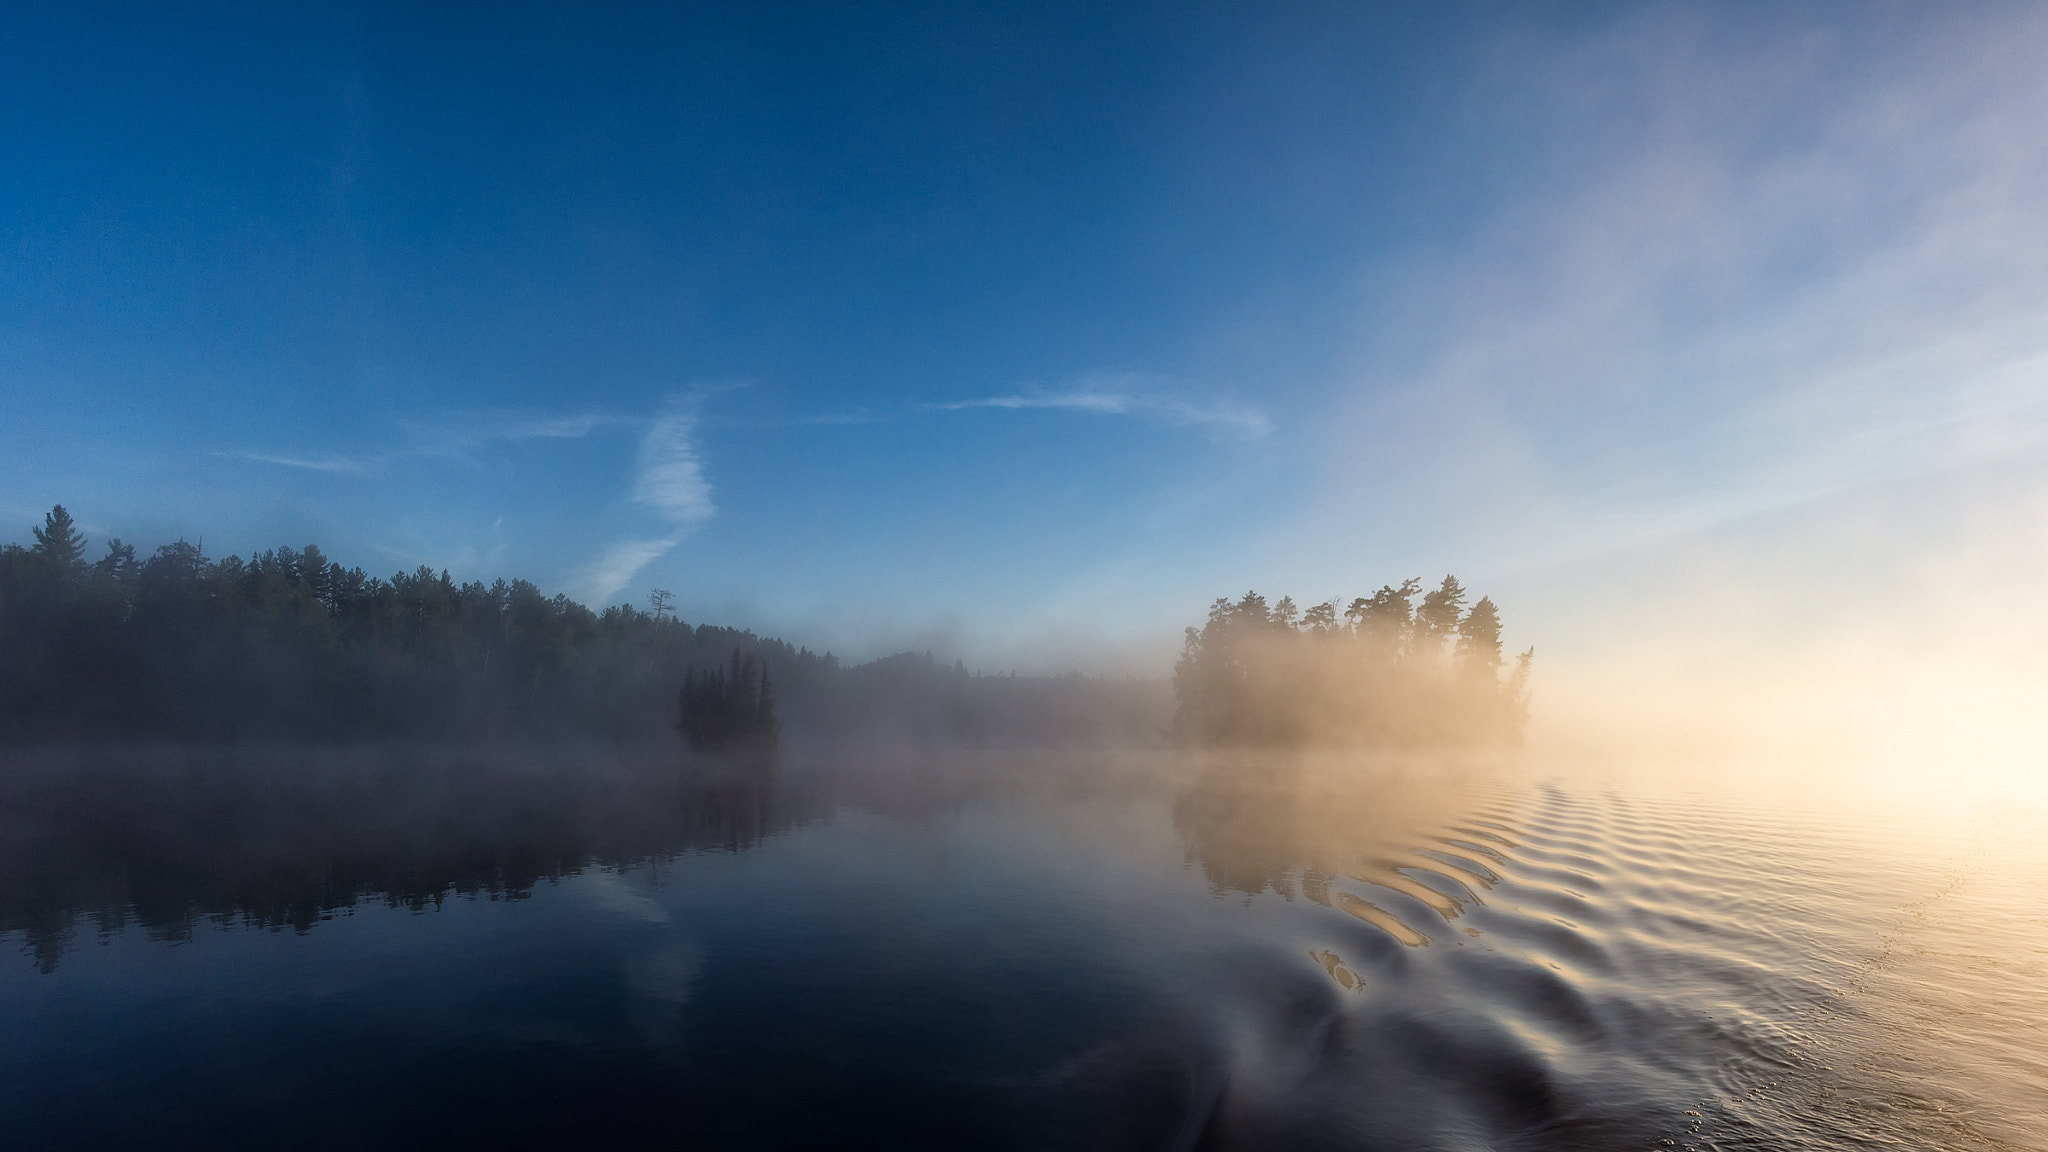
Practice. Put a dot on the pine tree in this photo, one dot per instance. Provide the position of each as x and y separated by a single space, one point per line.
119 562
764 712
1479 640
730 707
59 541
1436 621
1384 621
1320 619
1285 612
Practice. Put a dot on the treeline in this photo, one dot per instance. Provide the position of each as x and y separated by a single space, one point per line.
1382 671
288 643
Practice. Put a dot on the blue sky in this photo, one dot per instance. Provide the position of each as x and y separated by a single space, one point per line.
1024 331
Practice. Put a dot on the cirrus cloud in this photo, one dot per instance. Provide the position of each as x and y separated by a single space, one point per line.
1127 396
669 478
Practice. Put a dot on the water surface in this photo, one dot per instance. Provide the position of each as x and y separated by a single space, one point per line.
521 948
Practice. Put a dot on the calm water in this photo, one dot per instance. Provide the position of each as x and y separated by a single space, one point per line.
516 949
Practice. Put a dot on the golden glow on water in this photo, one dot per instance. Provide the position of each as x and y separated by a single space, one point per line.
1280 950
1874 972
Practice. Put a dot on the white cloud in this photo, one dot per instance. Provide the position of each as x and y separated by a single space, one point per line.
572 427
313 464
1093 397
1109 402
1763 279
457 434
600 580
671 479
453 436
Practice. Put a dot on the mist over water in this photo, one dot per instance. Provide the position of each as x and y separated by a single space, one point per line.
292 854
1031 950
748 578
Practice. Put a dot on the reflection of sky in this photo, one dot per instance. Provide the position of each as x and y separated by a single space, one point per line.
1020 964
969 330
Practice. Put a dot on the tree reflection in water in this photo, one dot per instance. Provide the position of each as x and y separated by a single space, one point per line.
170 838
1285 822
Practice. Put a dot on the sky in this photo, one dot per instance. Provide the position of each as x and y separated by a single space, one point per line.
1021 332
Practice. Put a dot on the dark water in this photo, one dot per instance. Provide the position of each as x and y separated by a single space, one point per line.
510 948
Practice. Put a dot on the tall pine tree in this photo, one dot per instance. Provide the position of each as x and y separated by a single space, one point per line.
59 541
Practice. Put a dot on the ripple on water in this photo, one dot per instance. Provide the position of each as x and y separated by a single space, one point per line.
1626 972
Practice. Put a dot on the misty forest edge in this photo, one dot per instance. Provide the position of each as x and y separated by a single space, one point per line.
289 644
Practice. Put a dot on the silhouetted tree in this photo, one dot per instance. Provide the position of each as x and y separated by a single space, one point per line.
59 542
119 563
1285 613
289 642
1437 619
723 709
1320 619
1384 620
1479 640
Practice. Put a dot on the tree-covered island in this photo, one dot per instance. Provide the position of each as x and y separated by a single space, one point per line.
730 708
1382 671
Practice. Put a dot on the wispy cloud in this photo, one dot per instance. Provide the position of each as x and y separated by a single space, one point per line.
311 464
1110 402
573 427
1148 403
454 436
1833 283
668 471
458 434
857 416
601 579
670 480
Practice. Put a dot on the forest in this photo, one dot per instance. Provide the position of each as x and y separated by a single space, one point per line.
729 709
289 644
1382 671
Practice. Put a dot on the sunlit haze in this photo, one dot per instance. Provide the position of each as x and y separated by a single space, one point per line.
1451 577
1708 340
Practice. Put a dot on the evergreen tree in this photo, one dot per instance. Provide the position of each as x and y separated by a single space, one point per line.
59 541
313 565
1320 619
728 708
1250 676
119 563
765 732
1436 620
1285 613
1385 620
1479 641
288 642
1251 610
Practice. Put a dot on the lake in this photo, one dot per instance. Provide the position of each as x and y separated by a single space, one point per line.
525 947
